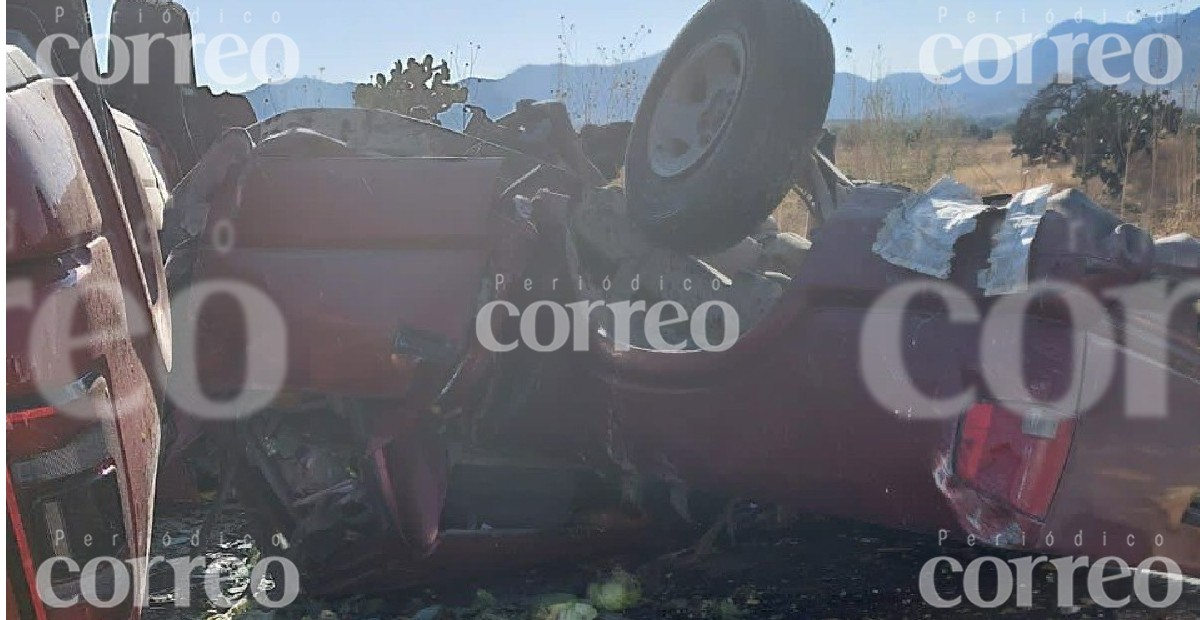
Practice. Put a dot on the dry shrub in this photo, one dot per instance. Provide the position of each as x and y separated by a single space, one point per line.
1162 191
1162 196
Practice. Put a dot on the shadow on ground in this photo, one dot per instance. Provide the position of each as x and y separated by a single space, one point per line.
809 568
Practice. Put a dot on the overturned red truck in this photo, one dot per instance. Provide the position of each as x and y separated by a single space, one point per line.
366 322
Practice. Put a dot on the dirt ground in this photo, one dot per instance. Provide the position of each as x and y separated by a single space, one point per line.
811 568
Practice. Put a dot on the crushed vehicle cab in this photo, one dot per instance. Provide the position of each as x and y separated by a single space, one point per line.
388 245
367 328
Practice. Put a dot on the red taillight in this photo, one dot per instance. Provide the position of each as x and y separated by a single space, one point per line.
63 488
1012 457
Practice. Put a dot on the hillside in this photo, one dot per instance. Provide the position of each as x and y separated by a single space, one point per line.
596 93
303 92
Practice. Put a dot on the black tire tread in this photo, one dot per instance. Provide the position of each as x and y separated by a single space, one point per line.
777 120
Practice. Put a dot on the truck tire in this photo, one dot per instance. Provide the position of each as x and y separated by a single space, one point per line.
740 96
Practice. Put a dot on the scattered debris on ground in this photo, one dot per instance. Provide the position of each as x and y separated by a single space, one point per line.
809 568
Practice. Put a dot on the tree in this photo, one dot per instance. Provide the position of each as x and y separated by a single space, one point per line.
1036 135
980 132
417 89
1100 129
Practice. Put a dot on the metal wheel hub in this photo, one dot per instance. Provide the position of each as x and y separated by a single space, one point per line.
696 105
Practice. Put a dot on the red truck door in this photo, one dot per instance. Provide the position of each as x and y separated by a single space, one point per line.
82 409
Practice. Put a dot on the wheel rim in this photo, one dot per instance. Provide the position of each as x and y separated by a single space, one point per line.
696 105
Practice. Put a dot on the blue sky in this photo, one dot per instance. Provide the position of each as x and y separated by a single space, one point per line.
351 39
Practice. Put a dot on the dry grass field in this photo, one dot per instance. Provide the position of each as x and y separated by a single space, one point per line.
1161 193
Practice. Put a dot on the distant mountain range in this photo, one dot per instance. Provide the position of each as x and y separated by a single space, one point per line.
603 93
303 92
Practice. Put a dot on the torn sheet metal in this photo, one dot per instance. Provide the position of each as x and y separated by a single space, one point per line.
1178 255
921 233
1008 270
